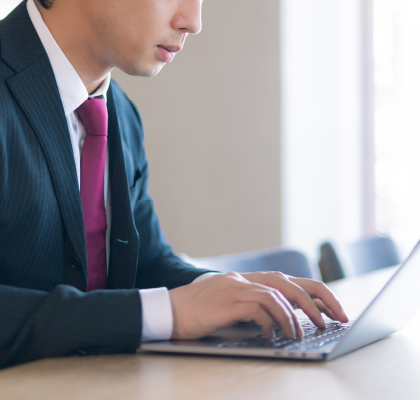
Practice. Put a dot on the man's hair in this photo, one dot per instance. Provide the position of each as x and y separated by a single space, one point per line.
46 3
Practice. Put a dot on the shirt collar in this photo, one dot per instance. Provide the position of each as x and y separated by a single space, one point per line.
72 90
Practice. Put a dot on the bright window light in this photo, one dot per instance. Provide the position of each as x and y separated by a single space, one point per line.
397 119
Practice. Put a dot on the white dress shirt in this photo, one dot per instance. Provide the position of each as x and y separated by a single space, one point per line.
157 319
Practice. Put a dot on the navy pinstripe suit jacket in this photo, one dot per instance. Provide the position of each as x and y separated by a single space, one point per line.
44 308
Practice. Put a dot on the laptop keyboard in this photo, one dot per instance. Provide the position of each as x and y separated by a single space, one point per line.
313 338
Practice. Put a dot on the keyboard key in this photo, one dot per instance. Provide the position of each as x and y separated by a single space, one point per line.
313 337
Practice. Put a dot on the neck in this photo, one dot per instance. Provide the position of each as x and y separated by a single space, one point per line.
67 26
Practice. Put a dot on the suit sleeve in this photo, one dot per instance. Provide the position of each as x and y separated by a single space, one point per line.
36 324
158 266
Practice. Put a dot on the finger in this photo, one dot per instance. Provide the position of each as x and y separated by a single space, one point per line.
323 308
270 299
252 312
267 298
298 327
298 295
284 301
321 291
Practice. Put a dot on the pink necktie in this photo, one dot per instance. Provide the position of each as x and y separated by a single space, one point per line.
94 115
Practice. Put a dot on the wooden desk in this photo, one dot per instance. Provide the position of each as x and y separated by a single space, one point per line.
389 369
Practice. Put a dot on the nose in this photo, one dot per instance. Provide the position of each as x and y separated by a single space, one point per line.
188 17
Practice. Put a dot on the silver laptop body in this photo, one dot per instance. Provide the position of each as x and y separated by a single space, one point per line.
388 313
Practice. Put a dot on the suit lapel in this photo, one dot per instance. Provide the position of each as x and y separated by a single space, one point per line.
124 237
35 89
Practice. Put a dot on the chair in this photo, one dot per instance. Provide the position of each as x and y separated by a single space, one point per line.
290 262
341 261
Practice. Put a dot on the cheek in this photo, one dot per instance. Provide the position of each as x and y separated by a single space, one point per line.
136 36
123 42
129 37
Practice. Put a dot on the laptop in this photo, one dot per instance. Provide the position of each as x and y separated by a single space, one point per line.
388 313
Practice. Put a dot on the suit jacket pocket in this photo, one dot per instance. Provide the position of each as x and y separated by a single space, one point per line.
137 175
135 186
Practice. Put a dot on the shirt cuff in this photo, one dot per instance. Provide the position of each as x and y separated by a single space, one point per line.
157 315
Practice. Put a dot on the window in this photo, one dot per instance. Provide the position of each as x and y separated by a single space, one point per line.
321 86
351 121
396 38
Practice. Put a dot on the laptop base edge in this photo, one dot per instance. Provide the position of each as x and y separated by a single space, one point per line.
170 347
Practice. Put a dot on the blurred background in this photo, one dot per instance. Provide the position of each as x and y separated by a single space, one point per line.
286 123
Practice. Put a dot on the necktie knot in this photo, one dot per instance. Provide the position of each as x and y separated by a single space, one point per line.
94 115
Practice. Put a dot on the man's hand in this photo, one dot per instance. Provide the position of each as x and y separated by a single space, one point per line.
313 297
202 307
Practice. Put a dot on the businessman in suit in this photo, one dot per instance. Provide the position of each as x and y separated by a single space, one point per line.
84 265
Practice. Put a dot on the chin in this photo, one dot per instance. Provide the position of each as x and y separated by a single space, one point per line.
142 70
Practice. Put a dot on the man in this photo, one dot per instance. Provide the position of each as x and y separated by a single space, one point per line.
84 265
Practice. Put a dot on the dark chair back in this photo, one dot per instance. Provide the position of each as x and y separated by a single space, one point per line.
356 258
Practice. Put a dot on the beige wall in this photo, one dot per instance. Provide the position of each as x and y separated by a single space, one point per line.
213 132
